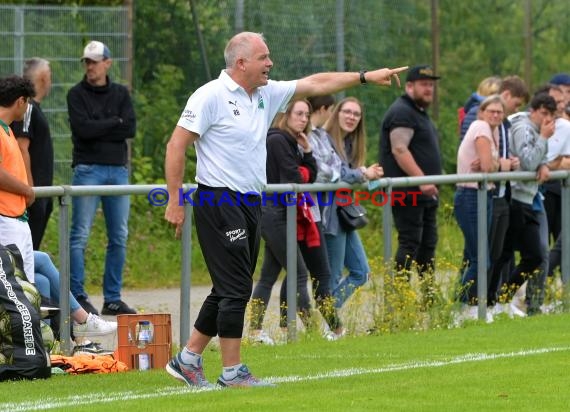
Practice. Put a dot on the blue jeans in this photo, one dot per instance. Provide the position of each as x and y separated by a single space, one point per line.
345 250
47 280
116 212
465 210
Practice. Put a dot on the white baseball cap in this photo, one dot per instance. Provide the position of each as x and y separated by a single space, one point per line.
96 51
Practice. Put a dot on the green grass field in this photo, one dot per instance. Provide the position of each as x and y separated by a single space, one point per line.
510 365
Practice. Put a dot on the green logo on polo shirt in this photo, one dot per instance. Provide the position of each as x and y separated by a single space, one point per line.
260 103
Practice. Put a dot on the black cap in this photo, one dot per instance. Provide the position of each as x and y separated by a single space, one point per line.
420 73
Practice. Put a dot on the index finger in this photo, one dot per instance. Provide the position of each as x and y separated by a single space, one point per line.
178 231
399 69
394 73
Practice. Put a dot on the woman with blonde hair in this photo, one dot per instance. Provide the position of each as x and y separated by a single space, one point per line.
487 87
346 133
477 153
290 160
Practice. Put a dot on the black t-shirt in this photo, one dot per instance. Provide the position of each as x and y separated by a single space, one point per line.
36 128
424 145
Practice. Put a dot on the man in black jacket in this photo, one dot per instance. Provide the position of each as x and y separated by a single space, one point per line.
102 118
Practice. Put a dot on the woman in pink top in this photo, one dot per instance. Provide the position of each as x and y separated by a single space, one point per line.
478 153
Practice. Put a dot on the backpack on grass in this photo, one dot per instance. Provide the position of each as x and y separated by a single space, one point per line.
22 353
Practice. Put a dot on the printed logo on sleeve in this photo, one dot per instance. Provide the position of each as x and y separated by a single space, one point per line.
189 115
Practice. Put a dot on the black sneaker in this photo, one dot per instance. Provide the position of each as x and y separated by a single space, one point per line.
87 305
91 348
117 308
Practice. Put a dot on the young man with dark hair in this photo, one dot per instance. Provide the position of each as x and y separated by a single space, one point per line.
15 192
529 135
514 93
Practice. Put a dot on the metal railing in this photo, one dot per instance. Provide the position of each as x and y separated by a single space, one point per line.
65 193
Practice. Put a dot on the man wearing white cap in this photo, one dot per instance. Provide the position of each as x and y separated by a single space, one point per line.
102 118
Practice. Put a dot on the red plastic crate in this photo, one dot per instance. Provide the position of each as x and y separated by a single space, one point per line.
159 350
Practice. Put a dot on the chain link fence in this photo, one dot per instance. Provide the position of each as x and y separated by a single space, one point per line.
490 37
59 34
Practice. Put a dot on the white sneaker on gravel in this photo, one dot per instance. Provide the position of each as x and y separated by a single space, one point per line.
94 326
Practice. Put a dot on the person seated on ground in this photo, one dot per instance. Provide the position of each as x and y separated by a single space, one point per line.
47 282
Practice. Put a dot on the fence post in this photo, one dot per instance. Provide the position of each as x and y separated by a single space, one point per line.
64 272
186 275
482 252
387 228
291 226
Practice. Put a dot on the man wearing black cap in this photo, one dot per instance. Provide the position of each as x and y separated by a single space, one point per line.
409 146
102 118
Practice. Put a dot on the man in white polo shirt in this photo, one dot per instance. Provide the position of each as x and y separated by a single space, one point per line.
227 120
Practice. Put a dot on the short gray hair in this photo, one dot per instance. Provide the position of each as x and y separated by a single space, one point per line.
239 46
33 66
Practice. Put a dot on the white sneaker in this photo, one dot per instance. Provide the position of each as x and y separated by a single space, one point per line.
498 309
332 336
553 307
515 311
262 337
94 326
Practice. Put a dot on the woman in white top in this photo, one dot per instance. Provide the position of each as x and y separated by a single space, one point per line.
478 153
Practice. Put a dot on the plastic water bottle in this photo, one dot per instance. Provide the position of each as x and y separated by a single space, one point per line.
144 334
144 337
144 361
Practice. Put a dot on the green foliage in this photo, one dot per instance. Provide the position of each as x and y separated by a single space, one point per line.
157 113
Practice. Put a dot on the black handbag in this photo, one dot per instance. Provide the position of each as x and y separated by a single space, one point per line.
352 216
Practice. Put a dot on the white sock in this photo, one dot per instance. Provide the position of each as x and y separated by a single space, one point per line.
230 372
191 358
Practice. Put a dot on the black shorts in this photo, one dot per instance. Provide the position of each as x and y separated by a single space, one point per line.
228 228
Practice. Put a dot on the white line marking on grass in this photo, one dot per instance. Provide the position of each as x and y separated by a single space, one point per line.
468 357
106 397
